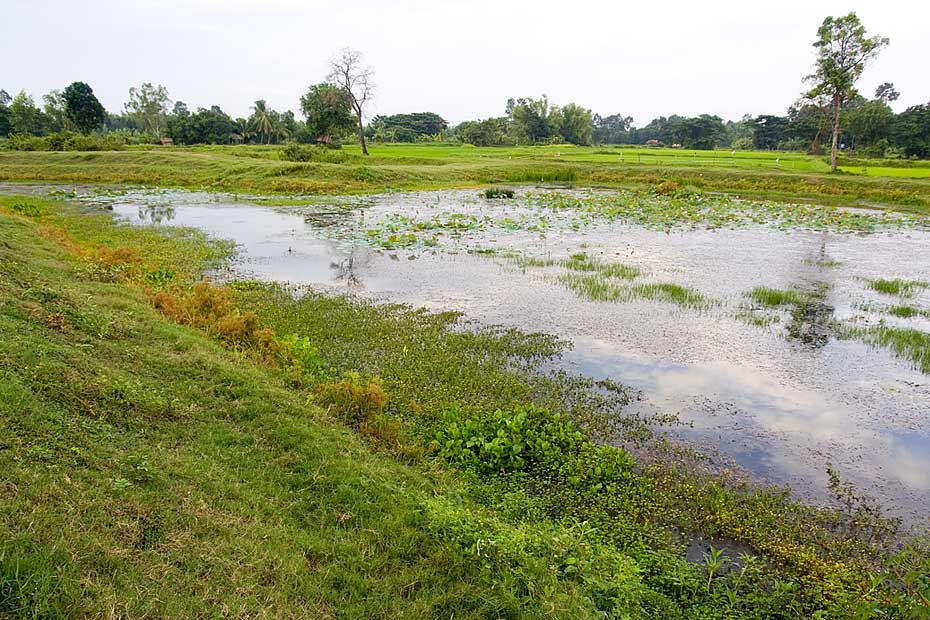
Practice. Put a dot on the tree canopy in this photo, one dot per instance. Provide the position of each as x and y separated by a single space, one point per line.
843 51
327 111
82 108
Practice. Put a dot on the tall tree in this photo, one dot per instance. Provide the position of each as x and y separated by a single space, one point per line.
530 119
261 121
843 51
328 111
574 124
346 72
24 115
4 114
149 106
54 108
613 129
82 107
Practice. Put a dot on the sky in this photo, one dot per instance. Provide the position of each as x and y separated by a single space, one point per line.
460 59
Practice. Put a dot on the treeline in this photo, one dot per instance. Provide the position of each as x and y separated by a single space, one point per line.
869 127
73 119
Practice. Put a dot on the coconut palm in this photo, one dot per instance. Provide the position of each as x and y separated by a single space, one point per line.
261 120
243 130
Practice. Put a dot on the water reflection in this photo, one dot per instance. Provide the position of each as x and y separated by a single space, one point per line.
156 214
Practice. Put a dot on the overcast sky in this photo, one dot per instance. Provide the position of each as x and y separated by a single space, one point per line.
461 59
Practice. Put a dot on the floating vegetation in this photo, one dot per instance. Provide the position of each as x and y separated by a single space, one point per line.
689 209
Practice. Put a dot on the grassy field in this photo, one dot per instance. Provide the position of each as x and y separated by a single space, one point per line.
260 169
200 453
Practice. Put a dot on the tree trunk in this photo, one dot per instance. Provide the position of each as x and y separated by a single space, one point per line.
361 135
837 115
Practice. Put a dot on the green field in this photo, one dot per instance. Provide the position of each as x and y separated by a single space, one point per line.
902 185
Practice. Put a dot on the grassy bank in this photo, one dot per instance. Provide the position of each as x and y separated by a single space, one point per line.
325 457
391 167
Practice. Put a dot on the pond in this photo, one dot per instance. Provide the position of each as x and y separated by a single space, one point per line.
780 391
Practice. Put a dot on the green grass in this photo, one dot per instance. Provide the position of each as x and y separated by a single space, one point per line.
148 471
773 297
599 287
909 344
897 286
260 169
584 263
907 312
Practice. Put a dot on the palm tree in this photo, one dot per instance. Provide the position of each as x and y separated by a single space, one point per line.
261 121
243 130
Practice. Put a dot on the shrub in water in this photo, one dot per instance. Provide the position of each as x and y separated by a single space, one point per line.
498 192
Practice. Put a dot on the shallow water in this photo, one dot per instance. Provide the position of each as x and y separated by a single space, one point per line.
775 406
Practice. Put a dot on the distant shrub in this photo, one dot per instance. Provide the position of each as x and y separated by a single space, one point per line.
498 192
667 187
306 152
28 208
66 141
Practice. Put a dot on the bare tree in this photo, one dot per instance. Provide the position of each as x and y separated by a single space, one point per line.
346 72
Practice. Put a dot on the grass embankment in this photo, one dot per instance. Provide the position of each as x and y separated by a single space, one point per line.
230 467
261 169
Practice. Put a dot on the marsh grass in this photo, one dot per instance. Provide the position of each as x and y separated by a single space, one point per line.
897 286
910 344
598 287
584 263
907 312
772 297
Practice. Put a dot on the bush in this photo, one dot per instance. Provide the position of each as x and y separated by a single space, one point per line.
355 399
321 154
508 441
498 192
67 141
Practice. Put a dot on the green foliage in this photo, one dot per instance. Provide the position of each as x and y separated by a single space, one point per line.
205 126
82 107
508 441
355 399
843 51
406 127
27 208
776 297
148 106
328 112
897 286
745 174
314 153
67 141
498 192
